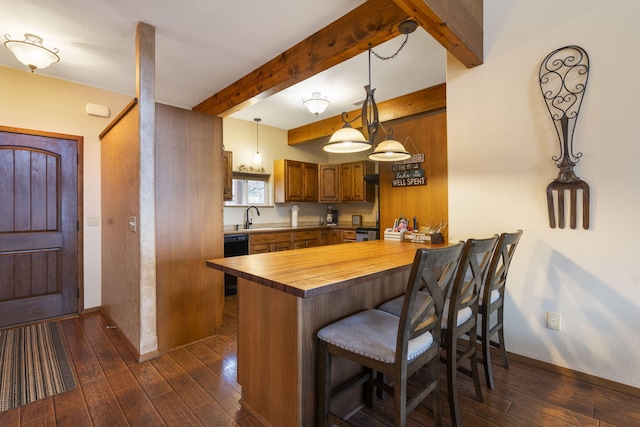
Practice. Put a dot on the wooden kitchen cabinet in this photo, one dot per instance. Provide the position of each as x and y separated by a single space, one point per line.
295 181
328 183
269 242
306 239
227 175
353 187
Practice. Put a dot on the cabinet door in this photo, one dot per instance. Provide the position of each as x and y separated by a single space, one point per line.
309 182
359 186
346 182
353 187
348 236
281 246
329 183
259 248
227 175
294 191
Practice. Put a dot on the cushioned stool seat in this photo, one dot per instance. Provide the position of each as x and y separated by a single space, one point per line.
374 334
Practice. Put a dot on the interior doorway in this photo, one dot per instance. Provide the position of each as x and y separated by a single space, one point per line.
40 225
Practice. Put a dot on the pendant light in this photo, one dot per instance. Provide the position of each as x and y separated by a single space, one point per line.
349 140
257 158
389 150
31 52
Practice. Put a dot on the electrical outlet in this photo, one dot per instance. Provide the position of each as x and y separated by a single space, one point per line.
554 321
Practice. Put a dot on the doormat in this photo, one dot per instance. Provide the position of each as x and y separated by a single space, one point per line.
33 365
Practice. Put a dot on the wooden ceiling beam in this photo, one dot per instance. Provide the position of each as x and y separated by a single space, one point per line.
374 22
455 24
420 102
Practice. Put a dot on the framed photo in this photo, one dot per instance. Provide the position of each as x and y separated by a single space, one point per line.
356 219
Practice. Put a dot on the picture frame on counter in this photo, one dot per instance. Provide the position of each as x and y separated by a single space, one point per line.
356 220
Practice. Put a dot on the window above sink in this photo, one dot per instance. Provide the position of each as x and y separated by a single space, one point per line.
250 189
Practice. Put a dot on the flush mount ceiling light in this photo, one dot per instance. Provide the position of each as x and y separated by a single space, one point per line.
343 141
316 104
31 52
257 158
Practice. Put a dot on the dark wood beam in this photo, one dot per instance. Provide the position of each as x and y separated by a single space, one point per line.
423 101
455 24
374 22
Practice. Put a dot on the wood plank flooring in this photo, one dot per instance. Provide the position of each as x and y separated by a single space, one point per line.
196 386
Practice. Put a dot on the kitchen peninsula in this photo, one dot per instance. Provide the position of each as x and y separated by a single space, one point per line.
285 297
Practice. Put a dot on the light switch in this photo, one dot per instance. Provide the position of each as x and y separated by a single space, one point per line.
93 221
133 224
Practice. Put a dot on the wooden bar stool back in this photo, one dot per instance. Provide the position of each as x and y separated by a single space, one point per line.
461 318
492 301
394 346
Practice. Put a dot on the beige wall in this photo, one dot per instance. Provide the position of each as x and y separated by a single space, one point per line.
501 139
33 101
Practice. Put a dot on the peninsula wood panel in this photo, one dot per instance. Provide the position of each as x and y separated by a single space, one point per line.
276 362
120 180
188 225
429 203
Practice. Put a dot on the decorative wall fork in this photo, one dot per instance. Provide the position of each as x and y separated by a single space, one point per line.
563 81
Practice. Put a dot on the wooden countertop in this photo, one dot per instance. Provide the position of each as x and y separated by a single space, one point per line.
309 272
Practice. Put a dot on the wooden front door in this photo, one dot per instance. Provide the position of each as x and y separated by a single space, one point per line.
39 226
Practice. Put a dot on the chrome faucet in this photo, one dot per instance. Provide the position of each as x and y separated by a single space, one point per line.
248 222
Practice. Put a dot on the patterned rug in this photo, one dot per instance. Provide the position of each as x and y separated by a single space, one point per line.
33 365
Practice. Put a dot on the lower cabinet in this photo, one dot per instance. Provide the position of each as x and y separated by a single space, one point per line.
306 239
269 242
285 240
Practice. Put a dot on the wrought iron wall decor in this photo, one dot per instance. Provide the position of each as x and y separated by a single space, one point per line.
563 81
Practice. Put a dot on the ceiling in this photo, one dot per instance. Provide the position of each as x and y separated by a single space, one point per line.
203 46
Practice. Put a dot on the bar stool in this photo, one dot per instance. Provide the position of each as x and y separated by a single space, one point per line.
394 346
492 300
460 318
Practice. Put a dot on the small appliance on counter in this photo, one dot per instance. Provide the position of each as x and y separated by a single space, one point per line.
332 216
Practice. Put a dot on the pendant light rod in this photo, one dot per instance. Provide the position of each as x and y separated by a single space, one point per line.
257 158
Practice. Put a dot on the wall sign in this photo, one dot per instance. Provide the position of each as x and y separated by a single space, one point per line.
408 172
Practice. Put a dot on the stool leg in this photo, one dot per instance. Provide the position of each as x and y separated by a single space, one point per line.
473 359
503 350
451 381
486 350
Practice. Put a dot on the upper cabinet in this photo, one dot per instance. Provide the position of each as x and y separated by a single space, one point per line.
353 187
329 183
295 181
227 175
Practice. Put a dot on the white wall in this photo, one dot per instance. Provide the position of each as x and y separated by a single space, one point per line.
239 136
35 102
501 140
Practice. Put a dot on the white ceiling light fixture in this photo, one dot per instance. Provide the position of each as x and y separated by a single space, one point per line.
347 139
31 52
317 104
389 150
257 158
343 141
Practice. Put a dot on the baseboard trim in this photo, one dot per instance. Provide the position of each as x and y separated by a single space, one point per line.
591 379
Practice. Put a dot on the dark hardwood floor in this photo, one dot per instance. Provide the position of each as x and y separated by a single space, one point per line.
196 385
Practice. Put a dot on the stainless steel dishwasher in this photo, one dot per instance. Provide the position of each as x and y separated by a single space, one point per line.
234 245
